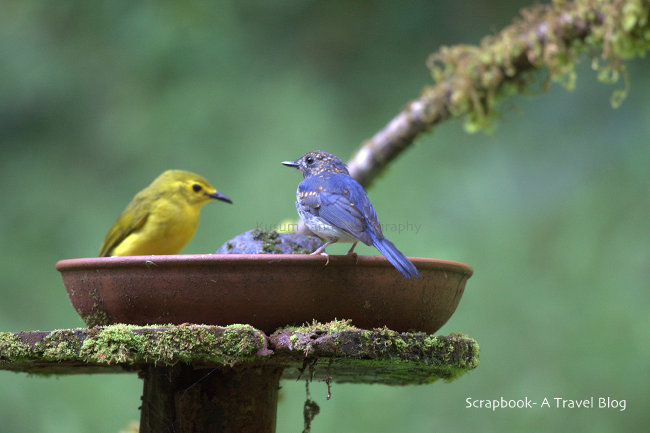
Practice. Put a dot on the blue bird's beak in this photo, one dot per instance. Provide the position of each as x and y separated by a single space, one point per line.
219 196
293 164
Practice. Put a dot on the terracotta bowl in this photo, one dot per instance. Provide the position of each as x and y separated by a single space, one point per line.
265 291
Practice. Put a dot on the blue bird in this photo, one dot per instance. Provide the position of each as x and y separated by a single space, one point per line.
335 207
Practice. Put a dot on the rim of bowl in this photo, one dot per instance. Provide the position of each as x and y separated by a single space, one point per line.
253 259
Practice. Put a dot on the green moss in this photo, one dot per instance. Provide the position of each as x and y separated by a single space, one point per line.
316 327
392 372
233 344
457 353
446 357
391 358
119 344
383 355
115 344
333 351
391 342
270 240
549 37
131 345
12 349
297 249
98 316
303 337
62 344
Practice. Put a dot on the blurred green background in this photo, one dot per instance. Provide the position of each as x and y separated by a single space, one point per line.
551 210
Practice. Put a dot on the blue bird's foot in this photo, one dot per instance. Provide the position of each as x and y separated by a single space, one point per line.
352 253
322 253
321 250
327 256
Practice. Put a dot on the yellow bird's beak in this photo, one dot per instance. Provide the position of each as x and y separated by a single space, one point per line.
219 196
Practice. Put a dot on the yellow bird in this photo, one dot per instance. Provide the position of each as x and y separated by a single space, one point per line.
162 218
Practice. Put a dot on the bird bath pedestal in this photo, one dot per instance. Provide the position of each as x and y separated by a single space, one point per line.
226 378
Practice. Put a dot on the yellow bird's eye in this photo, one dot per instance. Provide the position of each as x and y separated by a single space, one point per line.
196 187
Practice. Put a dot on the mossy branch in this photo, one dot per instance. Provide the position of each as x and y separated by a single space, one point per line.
470 80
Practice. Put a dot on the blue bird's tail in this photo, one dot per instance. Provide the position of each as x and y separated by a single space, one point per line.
396 258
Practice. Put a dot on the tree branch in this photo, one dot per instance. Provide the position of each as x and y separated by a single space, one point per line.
470 80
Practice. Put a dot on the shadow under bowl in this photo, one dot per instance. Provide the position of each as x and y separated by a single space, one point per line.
267 291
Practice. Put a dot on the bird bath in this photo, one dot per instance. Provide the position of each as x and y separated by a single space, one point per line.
267 291
204 372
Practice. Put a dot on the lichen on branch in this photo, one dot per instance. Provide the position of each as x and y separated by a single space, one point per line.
471 80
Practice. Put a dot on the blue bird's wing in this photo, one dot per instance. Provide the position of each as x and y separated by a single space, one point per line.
339 200
309 199
339 203
359 196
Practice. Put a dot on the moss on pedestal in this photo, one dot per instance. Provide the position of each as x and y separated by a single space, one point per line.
12 349
336 351
348 354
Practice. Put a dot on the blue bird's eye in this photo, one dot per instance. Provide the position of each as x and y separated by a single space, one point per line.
309 160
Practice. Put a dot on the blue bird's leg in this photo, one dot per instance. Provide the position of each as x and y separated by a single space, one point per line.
352 253
321 250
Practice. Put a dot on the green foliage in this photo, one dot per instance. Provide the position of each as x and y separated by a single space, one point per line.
98 98
550 37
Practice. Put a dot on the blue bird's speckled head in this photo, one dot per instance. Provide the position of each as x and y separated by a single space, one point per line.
317 162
